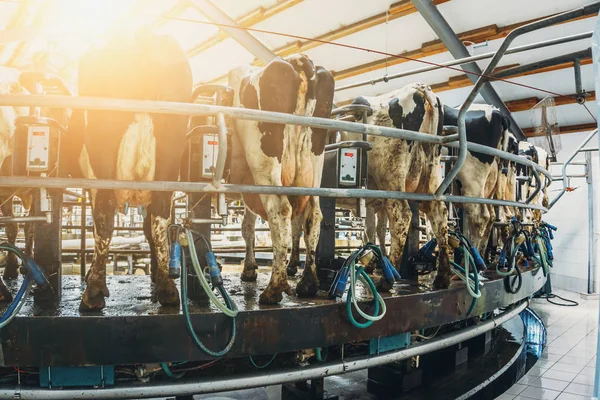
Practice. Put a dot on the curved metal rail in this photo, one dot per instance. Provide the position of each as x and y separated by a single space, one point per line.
486 76
239 382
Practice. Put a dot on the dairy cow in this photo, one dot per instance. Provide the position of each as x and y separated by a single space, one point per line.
482 175
130 146
281 155
407 166
10 84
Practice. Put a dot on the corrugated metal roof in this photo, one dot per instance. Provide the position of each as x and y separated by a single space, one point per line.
61 30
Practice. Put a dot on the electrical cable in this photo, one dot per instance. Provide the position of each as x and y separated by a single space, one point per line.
548 298
359 48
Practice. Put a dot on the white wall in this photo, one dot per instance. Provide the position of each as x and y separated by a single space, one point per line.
570 215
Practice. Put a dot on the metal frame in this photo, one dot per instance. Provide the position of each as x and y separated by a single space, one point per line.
484 56
256 115
440 26
485 77
239 382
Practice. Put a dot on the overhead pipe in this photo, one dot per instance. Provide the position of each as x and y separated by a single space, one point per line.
549 62
239 34
484 78
567 163
263 378
443 30
484 56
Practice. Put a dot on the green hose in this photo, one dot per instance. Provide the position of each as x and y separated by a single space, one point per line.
229 308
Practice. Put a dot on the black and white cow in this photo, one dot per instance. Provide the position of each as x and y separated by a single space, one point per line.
407 166
482 175
281 155
130 146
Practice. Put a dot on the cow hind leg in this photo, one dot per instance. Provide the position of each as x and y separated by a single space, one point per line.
279 212
147 226
11 271
248 228
309 283
477 217
103 212
437 214
165 290
294 263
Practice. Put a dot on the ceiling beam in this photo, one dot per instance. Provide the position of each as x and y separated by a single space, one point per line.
566 129
444 31
528 103
242 36
489 33
252 18
428 49
397 10
462 81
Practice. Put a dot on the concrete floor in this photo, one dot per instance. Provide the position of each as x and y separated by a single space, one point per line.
567 368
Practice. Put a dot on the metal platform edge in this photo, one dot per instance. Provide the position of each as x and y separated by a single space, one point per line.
106 340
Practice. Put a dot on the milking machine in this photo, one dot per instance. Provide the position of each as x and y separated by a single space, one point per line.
532 246
364 255
36 152
349 161
32 273
184 238
207 155
206 160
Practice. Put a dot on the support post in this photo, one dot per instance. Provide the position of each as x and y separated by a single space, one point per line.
591 241
443 30
48 247
82 254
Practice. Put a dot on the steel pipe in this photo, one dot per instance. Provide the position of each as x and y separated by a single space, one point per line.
564 168
232 28
6 220
204 187
483 79
169 107
266 378
222 156
513 50
455 46
163 107
549 62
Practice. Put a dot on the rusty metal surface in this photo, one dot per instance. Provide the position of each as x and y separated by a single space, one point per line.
133 329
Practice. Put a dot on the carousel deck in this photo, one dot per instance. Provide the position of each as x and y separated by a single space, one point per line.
134 329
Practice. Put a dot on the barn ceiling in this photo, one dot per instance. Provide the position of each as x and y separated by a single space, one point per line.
52 34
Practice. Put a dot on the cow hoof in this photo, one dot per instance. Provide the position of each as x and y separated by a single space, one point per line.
292 268
274 295
442 281
249 274
308 285
383 286
93 297
167 294
5 295
269 297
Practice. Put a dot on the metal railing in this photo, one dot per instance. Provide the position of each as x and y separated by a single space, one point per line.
255 115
